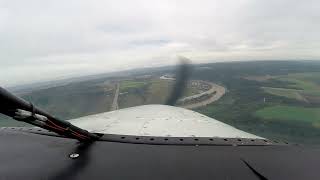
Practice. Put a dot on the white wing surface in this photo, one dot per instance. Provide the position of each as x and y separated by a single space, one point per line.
158 120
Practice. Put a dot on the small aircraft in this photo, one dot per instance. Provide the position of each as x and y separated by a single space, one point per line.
144 142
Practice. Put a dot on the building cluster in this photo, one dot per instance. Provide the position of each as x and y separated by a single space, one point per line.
197 99
200 85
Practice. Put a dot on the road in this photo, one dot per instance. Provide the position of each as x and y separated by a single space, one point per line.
115 105
220 91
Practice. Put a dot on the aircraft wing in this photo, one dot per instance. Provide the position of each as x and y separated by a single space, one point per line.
159 120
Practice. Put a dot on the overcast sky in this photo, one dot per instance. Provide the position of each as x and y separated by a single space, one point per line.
48 39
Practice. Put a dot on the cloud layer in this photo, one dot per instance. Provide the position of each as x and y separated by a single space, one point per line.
42 39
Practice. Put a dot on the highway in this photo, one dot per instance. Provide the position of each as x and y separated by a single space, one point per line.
220 91
115 105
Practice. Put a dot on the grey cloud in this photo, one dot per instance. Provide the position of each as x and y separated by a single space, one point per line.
67 38
150 42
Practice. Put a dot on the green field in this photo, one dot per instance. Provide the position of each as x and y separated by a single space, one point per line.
156 91
296 85
190 91
299 83
126 85
307 76
289 113
288 93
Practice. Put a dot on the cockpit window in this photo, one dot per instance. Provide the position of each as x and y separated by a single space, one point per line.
252 65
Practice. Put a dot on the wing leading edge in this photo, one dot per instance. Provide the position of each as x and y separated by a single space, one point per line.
158 120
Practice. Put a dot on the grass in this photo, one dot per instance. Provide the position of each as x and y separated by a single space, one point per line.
290 113
310 76
126 85
221 109
288 93
159 91
190 91
258 78
303 81
299 84
130 100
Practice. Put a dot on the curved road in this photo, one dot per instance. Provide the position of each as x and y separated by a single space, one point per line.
220 91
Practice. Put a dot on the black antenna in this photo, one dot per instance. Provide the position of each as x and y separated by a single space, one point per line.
22 110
